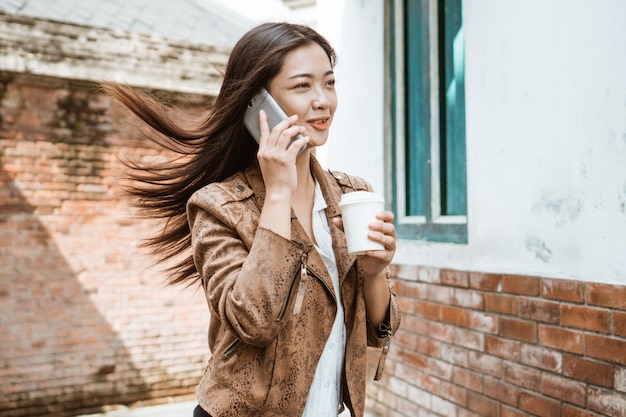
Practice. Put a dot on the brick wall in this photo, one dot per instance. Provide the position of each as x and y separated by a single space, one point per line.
474 344
84 320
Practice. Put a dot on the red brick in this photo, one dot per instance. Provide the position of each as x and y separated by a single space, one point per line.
469 299
463 412
562 339
519 284
564 389
439 368
440 331
457 355
604 295
483 322
404 272
483 405
410 289
440 294
607 348
468 379
469 339
453 393
542 358
405 339
619 379
454 278
539 405
440 406
487 282
429 347
571 411
487 364
521 375
535 309
501 391
429 275
453 315
588 370
426 382
513 412
415 360
503 348
588 318
400 371
619 323
407 305
518 329
608 403
501 303
415 324
407 407
562 290
428 310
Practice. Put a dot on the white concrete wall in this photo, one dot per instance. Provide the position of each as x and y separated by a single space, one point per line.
356 142
546 133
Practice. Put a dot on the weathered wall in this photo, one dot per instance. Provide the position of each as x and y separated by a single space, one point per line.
77 52
84 320
528 318
496 345
546 134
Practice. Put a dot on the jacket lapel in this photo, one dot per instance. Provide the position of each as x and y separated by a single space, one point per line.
315 263
332 194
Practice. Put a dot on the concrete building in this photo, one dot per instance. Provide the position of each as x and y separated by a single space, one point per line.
511 265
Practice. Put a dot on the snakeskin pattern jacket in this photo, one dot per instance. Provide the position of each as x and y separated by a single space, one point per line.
264 348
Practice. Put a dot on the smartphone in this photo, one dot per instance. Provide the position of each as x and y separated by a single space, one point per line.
264 101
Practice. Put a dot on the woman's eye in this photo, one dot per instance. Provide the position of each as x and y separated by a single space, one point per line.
303 85
331 83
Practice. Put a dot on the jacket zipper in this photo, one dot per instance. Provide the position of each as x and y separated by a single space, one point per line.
301 273
232 348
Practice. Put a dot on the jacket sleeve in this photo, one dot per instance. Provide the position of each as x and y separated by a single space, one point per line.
376 337
248 274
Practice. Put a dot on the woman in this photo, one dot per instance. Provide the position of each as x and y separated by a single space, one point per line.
291 311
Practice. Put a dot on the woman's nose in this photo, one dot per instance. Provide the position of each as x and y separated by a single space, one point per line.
321 100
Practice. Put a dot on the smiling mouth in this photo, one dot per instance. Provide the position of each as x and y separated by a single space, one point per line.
320 124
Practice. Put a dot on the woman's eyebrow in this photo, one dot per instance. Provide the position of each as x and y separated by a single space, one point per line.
307 75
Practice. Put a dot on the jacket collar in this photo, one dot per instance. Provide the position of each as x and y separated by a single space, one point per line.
332 194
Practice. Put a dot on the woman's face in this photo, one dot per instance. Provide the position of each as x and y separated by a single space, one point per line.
305 86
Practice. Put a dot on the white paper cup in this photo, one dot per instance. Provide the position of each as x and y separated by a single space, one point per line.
358 210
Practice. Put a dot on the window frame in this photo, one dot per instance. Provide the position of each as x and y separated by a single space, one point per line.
432 225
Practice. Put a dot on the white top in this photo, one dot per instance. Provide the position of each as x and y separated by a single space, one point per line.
323 399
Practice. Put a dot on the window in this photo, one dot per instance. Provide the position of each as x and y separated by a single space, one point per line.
426 68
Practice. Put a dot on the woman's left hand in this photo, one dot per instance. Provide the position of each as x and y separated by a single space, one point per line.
382 231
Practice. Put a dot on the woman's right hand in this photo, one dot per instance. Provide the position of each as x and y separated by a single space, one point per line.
277 158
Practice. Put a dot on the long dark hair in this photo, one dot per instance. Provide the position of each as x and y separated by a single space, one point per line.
213 149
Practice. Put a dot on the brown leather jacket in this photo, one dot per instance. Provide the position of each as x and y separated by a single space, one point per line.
263 355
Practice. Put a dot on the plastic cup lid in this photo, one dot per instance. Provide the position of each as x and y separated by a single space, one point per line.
360 197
